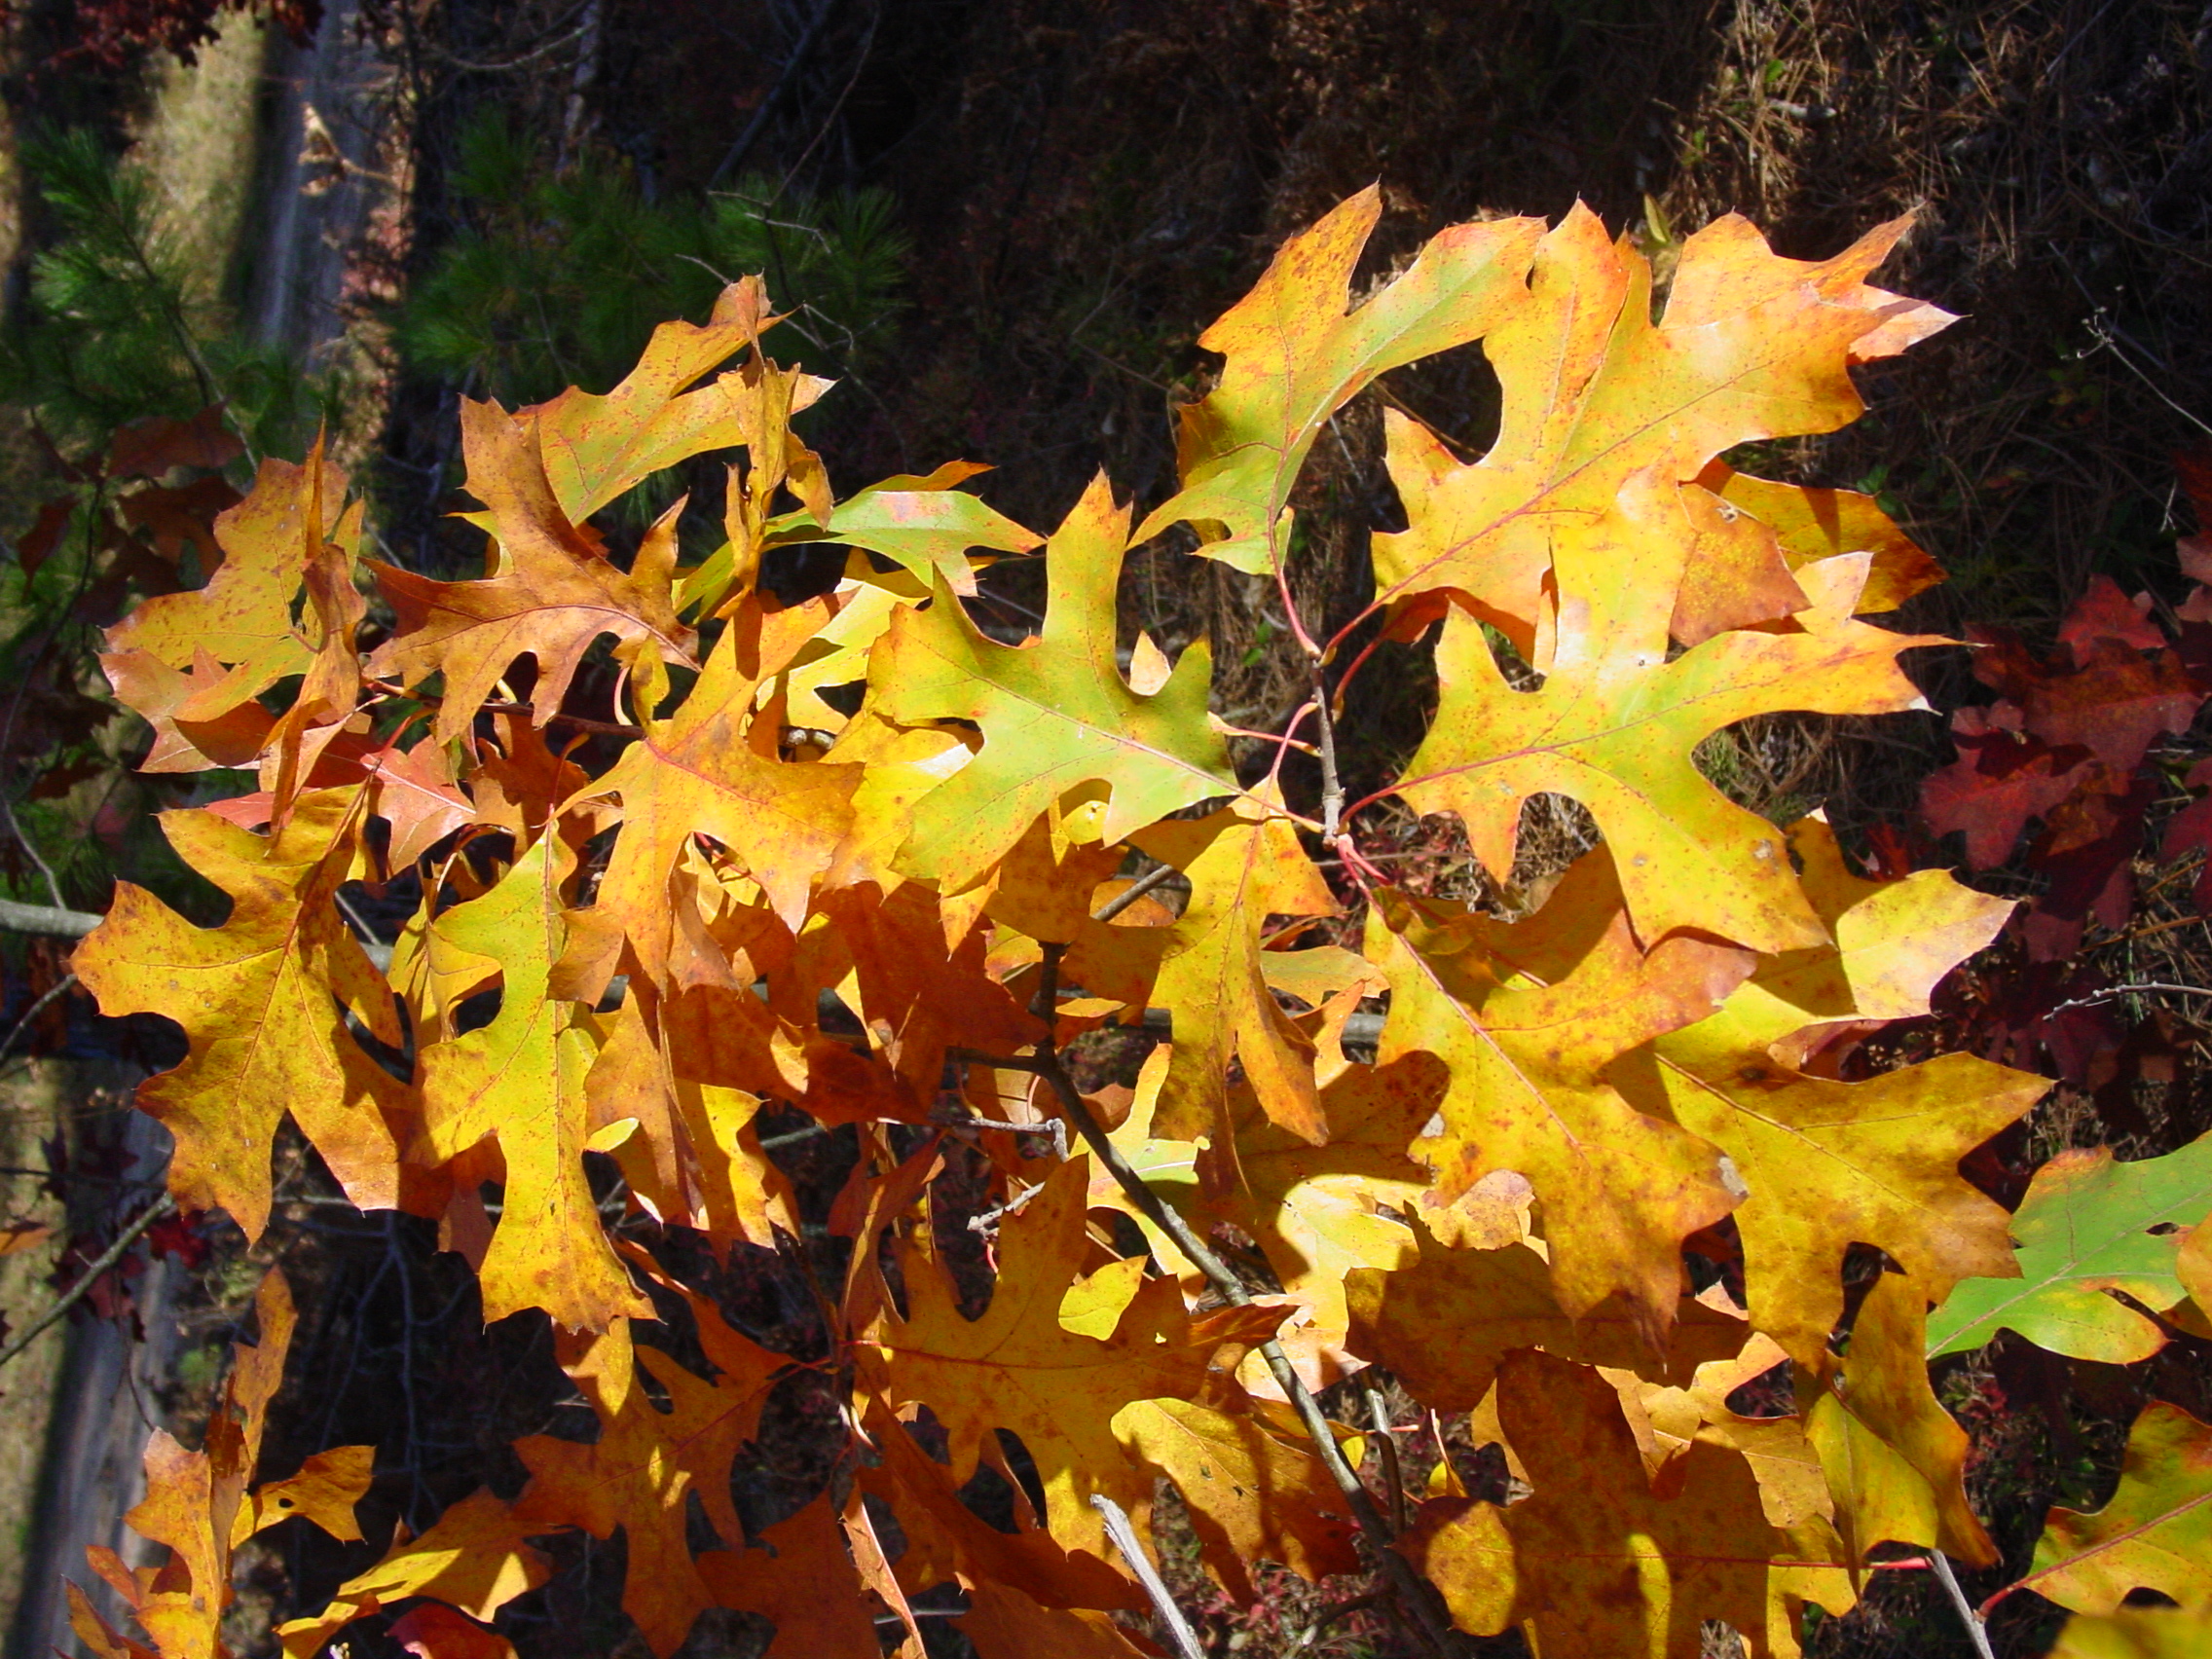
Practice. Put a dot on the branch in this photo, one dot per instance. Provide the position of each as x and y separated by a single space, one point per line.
2133 989
1125 1538
76 1293
1976 1631
1415 1594
46 919
60 987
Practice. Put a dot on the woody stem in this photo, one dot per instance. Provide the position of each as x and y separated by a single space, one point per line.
1412 1591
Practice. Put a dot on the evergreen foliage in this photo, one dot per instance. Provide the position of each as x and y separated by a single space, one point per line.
118 329
560 275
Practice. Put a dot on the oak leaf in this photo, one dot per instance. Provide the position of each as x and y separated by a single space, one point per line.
1004 1623
1243 870
474 1558
2136 1633
799 1577
645 1462
1057 713
520 1082
2154 1533
1445 1321
1616 720
1894 1458
595 447
1253 1492
550 593
1600 1559
1295 357
256 998
1529 1016
2087 1228
1596 391
1019 1369
243 617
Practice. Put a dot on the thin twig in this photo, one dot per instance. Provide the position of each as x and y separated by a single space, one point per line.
1416 1595
1125 1538
1976 1631
2130 990
60 987
1135 890
77 1292
1387 1443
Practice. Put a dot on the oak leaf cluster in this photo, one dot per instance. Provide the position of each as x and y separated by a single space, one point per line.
859 857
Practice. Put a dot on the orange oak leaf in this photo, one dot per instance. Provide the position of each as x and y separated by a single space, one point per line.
1295 357
1004 1623
711 769
640 1471
799 1576
201 1505
256 997
687 1148
1600 1559
434 1631
1057 713
1529 1016
520 1082
1019 1369
915 996
549 593
417 794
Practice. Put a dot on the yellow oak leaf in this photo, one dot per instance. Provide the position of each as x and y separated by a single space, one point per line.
595 447
1602 1559
1594 391
1055 712
1616 720
1443 1322
475 1558
1895 1459
243 619
1317 1212
1825 1163
1528 1017
1253 1494
1295 357
2154 1532
1213 978
520 1082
